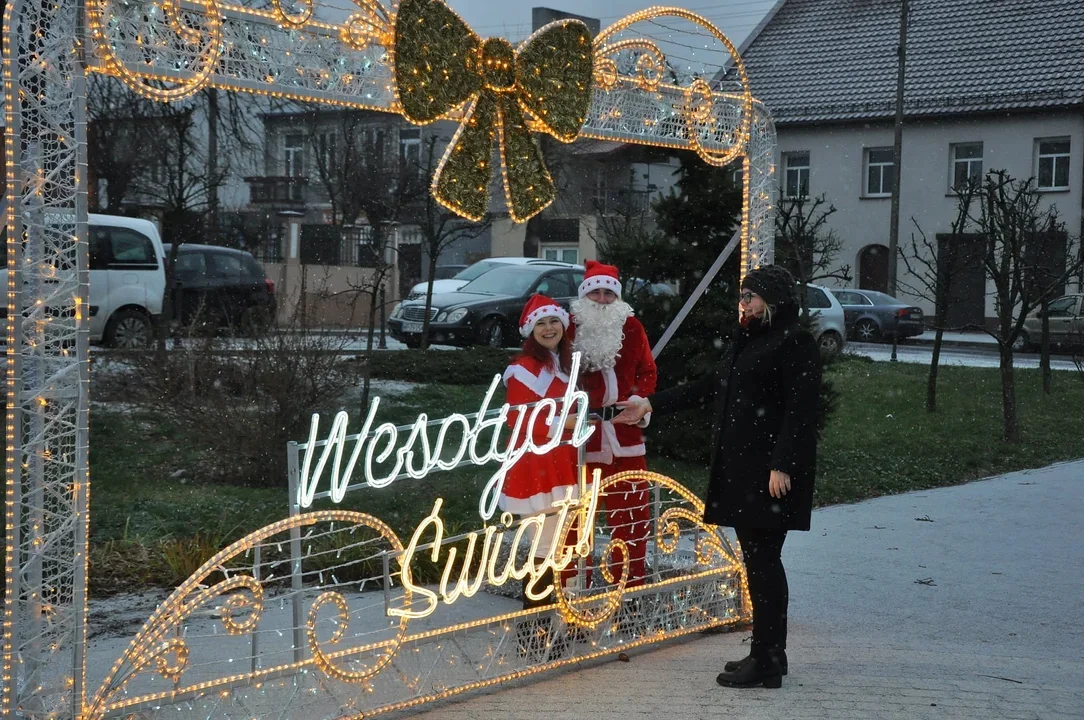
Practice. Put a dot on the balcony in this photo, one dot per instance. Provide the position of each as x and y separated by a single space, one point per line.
281 191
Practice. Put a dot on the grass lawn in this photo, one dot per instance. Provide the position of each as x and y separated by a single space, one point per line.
152 524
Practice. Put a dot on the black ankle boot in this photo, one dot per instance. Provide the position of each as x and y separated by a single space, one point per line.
733 665
761 669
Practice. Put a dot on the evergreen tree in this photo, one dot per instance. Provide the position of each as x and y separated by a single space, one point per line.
692 226
693 223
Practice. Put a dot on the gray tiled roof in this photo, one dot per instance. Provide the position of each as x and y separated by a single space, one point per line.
824 60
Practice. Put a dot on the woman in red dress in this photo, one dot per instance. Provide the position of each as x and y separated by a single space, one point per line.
535 482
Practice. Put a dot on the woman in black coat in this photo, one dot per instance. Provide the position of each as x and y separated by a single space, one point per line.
765 398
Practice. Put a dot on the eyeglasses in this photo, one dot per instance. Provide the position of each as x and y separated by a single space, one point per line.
746 297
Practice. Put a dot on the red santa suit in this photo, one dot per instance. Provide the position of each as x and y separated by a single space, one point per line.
629 373
536 481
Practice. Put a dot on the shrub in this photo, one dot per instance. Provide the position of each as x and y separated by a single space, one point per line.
472 366
245 403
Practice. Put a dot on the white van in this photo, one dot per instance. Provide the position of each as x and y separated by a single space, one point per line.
127 280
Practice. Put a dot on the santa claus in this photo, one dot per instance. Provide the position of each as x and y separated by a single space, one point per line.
617 366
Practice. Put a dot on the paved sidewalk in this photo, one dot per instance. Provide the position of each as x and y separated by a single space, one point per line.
975 612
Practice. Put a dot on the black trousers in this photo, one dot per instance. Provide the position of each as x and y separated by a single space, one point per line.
768 590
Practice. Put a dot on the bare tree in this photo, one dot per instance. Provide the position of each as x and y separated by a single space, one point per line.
120 127
1016 229
805 244
932 267
440 228
363 174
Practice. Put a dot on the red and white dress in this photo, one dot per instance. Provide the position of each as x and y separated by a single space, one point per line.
536 481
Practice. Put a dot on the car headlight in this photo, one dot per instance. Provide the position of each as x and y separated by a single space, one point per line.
456 315
398 310
440 317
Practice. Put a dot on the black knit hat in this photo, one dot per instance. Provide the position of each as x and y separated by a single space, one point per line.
773 283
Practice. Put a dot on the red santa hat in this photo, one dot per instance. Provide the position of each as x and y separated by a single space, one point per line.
538 307
598 276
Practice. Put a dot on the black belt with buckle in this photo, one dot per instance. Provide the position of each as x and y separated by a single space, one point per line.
606 413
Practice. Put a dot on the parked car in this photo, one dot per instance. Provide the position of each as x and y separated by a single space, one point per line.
127 278
221 287
471 272
1066 321
827 315
873 316
636 286
487 309
447 272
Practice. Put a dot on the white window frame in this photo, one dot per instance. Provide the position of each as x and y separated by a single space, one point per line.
955 161
1056 160
559 251
884 167
410 148
327 143
801 172
293 155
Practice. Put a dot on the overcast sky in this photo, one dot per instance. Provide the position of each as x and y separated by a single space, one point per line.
511 19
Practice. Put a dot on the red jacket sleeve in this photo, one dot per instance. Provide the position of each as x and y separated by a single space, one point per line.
646 373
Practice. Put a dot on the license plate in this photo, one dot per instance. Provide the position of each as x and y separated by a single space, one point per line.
412 327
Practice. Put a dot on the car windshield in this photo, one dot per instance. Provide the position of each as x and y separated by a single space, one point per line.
504 281
476 270
444 273
880 298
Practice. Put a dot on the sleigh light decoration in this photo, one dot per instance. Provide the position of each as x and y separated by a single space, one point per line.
329 613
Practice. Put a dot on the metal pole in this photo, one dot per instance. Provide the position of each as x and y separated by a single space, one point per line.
81 471
895 338
894 228
700 289
296 585
383 321
257 557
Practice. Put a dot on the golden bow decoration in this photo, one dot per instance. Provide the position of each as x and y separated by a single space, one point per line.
441 64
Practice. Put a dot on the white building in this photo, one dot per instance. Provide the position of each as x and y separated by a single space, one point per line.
990 84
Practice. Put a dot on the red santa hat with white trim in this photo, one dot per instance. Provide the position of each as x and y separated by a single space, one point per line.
598 276
538 307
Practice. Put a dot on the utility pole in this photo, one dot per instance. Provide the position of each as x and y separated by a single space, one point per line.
894 229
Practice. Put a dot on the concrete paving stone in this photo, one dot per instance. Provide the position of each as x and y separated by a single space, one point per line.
1000 635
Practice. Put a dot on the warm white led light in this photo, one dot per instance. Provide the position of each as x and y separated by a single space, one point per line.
381 443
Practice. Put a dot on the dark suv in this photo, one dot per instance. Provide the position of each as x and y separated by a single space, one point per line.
486 310
221 287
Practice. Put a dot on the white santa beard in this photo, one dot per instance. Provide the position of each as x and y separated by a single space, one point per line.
600 330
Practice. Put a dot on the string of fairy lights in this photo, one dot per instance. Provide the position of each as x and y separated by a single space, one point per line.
697 583
228 641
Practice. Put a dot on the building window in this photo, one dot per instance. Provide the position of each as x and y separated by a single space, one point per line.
796 171
1053 163
879 169
293 158
410 148
374 145
325 148
562 254
966 165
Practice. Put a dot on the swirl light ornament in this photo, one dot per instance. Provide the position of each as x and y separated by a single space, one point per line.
162 645
201 45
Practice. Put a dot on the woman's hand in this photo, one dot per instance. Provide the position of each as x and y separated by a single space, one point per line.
778 484
632 411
